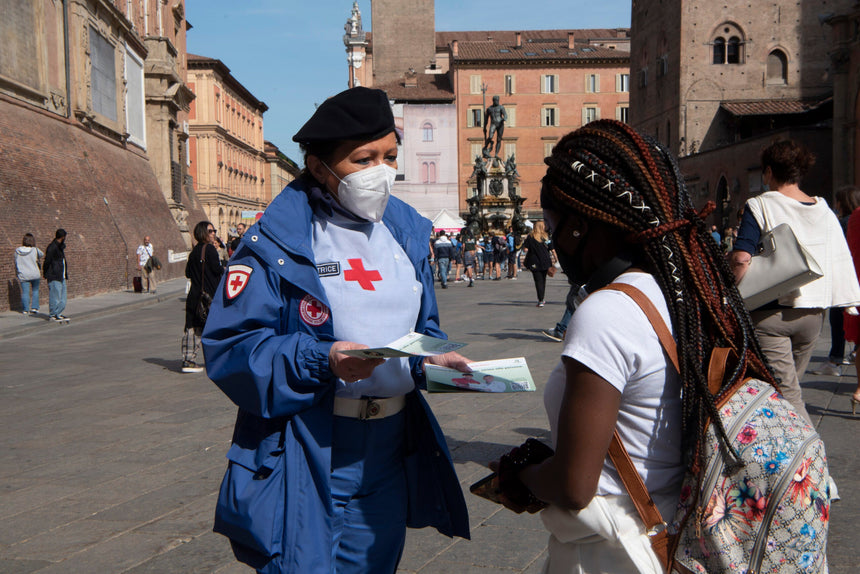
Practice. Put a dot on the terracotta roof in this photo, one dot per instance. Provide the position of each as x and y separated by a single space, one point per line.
771 107
429 88
537 37
549 49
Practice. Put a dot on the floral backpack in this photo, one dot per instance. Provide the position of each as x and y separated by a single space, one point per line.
767 515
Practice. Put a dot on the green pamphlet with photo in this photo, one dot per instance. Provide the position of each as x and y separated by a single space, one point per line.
498 376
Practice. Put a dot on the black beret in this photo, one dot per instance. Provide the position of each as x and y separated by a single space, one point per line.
362 114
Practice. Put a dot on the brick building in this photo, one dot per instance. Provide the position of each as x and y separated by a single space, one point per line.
718 82
226 144
76 135
845 60
551 82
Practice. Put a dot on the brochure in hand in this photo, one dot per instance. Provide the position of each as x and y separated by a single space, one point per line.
413 344
498 376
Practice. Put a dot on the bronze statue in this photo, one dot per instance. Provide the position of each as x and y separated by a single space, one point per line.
511 168
480 169
495 117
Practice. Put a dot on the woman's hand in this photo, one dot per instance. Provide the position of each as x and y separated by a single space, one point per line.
452 360
350 369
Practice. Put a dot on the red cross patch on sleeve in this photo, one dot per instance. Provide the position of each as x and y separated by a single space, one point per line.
237 278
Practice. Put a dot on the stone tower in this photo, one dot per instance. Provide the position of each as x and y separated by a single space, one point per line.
404 37
697 66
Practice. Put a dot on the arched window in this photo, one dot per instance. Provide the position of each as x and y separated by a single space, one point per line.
777 68
719 50
428 172
427 132
731 50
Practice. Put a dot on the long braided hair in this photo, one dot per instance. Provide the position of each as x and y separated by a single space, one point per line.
608 172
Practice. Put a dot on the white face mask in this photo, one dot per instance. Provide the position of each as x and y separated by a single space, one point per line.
365 193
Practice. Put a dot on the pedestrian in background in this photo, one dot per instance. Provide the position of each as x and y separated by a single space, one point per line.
788 328
510 238
56 273
457 241
28 266
234 244
500 255
538 259
444 253
851 319
844 205
203 269
470 256
144 255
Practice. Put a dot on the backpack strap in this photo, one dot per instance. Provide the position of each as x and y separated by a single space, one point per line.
633 483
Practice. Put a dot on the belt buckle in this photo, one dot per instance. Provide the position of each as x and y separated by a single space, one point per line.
370 409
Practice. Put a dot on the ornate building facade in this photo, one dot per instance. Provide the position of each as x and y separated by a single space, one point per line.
82 104
226 146
716 83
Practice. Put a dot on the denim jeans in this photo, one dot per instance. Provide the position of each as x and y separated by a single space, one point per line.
26 288
56 297
443 264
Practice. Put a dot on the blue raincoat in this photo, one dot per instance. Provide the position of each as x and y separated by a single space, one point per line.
272 362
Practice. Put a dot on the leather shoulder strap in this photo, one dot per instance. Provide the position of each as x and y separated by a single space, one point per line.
645 506
654 318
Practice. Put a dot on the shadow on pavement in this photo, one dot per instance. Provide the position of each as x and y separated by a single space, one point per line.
174 365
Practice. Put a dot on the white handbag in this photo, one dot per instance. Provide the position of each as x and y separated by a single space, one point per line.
782 266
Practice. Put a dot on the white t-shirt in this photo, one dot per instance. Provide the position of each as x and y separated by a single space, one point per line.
611 335
144 252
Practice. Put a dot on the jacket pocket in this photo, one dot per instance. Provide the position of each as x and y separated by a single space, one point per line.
251 502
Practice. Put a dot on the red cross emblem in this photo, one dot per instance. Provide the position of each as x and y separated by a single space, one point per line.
365 277
313 311
237 279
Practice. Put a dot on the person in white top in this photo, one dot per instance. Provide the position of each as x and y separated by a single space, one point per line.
144 254
619 213
789 328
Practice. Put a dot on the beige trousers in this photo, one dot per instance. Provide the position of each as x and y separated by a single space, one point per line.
787 338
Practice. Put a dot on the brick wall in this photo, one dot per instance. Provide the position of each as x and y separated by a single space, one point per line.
54 173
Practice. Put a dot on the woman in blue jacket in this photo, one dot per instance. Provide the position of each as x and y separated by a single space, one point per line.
333 456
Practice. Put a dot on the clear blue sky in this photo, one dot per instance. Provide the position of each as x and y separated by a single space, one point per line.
290 53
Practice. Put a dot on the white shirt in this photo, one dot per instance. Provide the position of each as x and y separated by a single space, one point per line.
611 335
818 230
374 295
144 252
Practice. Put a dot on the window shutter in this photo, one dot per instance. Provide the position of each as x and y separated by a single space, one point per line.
470 114
596 82
584 116
512 117
543 117
597 113
543 84
555 83
617 84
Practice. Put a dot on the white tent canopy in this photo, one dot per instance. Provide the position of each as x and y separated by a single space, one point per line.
450 223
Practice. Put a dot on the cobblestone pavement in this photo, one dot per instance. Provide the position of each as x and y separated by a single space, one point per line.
110 457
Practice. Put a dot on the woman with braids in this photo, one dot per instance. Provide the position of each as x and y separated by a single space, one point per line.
619 213
788 328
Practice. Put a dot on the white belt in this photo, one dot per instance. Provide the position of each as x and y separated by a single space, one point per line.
368 408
